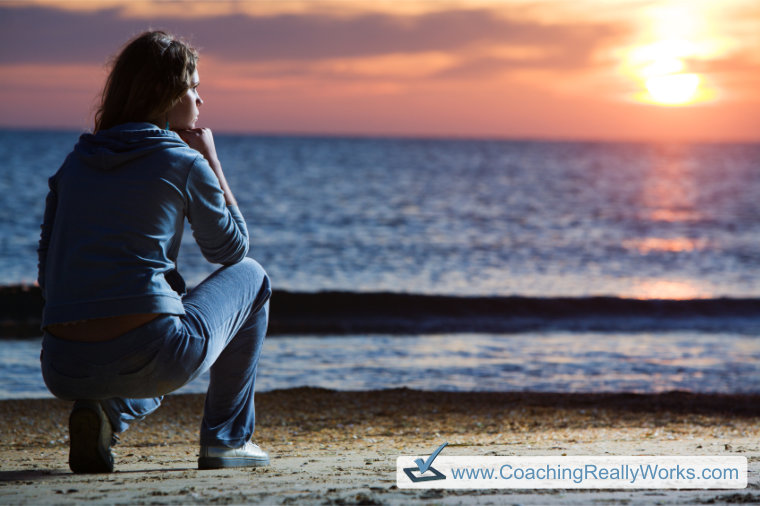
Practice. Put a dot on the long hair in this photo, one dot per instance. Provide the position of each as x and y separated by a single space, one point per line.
148 77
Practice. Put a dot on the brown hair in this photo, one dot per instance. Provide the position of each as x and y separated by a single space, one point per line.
148 77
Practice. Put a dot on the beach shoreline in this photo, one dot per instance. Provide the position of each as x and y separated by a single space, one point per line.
339 447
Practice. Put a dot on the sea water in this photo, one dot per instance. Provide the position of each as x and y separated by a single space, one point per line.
471 217
539 362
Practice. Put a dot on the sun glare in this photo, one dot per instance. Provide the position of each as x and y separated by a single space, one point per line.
660 67
680 36
673 89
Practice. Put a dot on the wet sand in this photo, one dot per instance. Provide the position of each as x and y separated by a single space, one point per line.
332 447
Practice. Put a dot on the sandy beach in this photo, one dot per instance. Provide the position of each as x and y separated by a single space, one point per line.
331 447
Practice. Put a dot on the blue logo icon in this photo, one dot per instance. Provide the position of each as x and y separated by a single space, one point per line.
425 467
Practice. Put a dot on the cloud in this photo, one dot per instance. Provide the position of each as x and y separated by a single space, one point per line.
568 49
743 63
49 35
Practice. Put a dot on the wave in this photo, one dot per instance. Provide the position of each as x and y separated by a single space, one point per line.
349 312
335 312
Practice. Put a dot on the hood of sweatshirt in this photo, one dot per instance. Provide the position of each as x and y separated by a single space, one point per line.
112 148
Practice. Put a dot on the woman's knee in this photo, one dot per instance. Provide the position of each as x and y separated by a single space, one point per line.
253 265
254 271
258 277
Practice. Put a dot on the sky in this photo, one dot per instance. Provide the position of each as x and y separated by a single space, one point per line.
668 70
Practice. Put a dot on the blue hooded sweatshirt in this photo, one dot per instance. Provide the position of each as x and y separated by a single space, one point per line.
114 219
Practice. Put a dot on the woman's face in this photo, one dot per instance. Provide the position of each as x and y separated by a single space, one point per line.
184 114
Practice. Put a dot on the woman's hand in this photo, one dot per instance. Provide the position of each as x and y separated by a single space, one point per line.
202 140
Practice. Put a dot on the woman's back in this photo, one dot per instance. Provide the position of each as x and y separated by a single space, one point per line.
121 198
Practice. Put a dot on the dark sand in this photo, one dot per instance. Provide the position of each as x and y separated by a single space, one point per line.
340 447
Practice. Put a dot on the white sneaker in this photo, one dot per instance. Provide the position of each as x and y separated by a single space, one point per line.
216 457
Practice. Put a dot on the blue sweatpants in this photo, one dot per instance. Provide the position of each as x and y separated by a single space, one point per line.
222 330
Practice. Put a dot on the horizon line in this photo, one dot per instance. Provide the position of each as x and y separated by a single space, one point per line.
418 136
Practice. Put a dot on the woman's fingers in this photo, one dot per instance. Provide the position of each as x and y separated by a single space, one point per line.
202 140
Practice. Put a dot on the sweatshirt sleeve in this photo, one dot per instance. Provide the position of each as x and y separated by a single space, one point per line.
219 229
51 202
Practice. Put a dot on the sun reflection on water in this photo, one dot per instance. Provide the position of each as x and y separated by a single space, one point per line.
660 244
668 289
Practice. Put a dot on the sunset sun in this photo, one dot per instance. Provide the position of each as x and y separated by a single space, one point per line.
661 69
668 64
673 89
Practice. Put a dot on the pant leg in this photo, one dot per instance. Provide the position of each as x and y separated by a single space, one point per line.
130 374
122 412
230 310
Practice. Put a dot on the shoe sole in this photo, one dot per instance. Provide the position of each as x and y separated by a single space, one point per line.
85 454
225 462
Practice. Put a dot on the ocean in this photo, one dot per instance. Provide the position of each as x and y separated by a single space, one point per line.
471 218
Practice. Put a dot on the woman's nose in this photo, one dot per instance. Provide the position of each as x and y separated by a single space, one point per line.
199 100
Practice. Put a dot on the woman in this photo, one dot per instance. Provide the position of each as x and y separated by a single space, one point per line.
119 329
